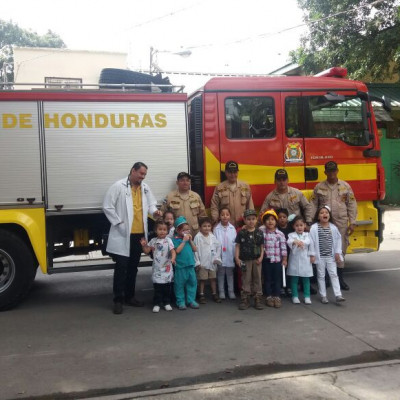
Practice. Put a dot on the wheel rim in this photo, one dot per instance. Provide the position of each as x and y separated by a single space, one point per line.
7 270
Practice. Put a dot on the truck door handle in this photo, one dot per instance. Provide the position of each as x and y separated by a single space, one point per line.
311 174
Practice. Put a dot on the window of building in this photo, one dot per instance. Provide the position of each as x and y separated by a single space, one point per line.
250 118
63 83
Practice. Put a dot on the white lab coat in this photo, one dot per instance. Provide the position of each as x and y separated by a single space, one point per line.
299 259
336 242
118 208
208 253
226 237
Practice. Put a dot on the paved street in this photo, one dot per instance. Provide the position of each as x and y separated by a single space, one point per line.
64 342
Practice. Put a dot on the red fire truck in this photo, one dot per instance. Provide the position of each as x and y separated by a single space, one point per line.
61 150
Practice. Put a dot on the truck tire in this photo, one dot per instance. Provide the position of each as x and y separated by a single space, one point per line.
17 270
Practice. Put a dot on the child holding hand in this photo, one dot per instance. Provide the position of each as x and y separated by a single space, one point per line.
163 258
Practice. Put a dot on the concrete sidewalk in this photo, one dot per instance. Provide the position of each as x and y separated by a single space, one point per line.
371 381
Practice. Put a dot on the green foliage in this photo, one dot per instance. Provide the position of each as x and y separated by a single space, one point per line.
11 34
363 37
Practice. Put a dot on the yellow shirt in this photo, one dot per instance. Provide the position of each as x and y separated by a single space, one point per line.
137 225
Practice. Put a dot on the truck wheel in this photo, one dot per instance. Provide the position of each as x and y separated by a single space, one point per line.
17 270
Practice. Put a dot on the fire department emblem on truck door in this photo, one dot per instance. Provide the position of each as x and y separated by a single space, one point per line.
293 152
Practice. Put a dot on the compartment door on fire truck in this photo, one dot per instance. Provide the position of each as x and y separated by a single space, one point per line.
249 124
20 176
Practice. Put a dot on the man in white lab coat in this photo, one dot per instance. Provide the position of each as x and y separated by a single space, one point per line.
126 205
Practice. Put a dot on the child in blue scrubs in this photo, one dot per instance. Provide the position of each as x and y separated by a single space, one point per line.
185 275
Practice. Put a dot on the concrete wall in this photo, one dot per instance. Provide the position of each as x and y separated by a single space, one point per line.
33 64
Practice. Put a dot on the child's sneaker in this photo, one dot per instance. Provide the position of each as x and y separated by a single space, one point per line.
324 300
269 302
307 300
182 307
168 307
295 300
340 299
216 298
202 299
222 295
277 302
156 309
194 305
231 296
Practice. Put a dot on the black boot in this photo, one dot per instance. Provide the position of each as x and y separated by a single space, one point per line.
343 284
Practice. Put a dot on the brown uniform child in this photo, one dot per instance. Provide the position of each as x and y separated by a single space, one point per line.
249 253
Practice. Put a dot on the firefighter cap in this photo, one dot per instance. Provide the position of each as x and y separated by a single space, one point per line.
183 175
331 166
232 166
281 174
269 212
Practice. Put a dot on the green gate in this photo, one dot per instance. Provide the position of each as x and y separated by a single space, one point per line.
389 126
391 163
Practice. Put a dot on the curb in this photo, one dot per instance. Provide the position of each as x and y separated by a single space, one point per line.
244 381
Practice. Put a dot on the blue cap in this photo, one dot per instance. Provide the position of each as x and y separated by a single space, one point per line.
179 221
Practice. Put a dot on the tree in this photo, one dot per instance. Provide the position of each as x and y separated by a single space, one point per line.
11 34
361 35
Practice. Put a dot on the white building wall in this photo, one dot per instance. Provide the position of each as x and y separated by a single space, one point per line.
34 64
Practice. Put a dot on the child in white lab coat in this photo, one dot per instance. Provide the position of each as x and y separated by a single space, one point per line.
300 261
225 233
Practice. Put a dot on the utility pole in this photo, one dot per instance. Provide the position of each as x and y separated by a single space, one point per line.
151 61
5 80
4 77
153 67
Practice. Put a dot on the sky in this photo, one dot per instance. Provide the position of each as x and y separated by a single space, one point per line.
222 36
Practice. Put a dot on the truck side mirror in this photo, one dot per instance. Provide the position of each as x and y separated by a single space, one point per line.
387 103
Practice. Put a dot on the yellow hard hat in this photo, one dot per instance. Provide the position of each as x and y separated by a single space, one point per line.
269 212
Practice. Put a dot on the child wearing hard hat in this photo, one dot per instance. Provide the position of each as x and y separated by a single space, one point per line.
275 257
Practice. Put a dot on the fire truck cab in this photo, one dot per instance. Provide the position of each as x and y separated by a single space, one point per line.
296 123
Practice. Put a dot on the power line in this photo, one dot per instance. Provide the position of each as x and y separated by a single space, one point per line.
269 34
170 14
265 35
238 41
